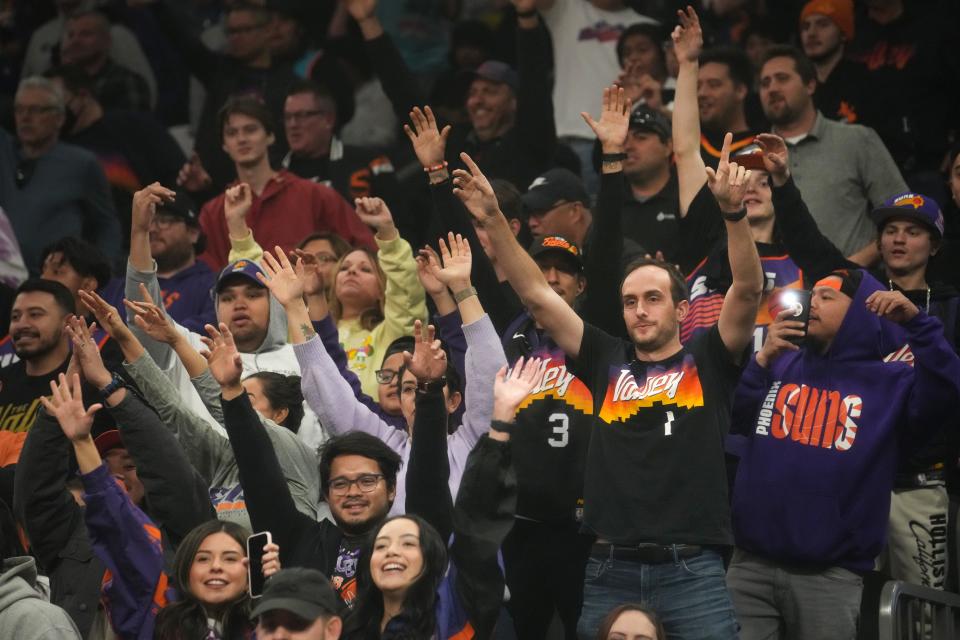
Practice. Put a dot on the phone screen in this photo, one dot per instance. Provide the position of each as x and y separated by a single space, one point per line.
798 301
255 577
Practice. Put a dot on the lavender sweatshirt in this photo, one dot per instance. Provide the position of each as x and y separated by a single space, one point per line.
334 402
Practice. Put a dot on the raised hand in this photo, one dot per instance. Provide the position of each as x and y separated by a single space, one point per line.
429 142
360 9
430 283
280 277
374 212
314 284
270 562
687 36
222 356
511 388
236 205
87 353
455 272
729 182
66 405
106 314
614 122
474 191
779 333
152 319
192 176
892 305
428 361
776 157
145 203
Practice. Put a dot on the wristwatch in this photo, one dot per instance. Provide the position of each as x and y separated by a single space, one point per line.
116 383
428 386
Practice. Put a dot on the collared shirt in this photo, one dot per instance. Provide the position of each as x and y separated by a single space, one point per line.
655 221
843 170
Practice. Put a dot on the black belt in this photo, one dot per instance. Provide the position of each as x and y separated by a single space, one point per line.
645 553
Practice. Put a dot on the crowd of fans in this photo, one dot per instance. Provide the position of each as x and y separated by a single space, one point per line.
614 319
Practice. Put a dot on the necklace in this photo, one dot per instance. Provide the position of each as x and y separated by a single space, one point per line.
926 308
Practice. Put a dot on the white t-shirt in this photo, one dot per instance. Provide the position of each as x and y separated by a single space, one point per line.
585 57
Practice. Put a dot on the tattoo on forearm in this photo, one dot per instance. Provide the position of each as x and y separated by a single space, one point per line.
307 331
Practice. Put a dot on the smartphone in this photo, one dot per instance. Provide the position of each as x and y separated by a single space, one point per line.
750 161
255 577
798 301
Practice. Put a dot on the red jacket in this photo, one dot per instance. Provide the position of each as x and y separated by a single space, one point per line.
288 210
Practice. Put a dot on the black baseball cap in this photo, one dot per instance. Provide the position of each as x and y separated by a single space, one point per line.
554 186
182 206
643 118
560 246
304 592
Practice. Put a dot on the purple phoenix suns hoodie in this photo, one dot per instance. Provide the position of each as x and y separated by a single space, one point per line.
825 432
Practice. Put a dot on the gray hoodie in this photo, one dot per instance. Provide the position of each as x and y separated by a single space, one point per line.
274 354
24 614
211 454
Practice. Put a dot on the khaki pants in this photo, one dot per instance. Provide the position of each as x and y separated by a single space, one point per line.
917 538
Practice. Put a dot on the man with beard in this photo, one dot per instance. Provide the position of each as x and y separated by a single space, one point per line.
185 282
842 170
40 310
724 82
826 26
664 408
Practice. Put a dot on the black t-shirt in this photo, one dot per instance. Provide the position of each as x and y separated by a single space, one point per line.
654 222
655 468
344 574
20 395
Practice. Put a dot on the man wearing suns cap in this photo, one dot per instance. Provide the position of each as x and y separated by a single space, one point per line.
826 422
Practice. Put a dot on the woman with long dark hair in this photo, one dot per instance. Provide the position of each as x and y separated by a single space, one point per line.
631 622
408 585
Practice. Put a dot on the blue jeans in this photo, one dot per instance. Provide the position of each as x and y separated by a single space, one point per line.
690 595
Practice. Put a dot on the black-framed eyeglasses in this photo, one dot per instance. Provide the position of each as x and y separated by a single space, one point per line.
366 483
386 376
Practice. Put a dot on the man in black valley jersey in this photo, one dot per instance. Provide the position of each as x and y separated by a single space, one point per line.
655 488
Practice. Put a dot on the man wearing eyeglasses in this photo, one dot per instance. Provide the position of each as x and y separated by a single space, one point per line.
55 189
311 123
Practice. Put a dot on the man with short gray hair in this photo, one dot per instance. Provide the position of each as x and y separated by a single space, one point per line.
55 189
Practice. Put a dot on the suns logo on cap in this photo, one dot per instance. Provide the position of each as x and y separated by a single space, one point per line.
909 200
240 265
560 243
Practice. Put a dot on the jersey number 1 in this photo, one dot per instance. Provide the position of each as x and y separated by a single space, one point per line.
561 430
667 426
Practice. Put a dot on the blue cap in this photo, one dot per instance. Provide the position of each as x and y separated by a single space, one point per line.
915 206
246 268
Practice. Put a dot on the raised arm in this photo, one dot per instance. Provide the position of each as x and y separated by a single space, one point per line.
428 473
738 314
811 250
122 536
449 215
555 315
487 502
687 44
604 267
535 124
325 390
265 489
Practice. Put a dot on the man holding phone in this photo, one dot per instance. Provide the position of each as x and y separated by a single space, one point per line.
826 421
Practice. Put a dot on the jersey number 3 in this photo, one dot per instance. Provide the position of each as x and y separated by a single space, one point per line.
561 430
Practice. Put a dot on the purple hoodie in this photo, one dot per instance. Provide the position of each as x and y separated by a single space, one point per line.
813 486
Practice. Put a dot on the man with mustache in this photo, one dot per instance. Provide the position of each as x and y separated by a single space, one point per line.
40 309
